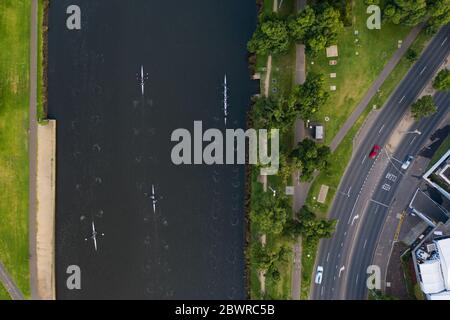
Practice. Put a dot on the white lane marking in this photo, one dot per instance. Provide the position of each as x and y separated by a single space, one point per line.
381 129
412 140
354 205
321 291
328 256
357 277
355 218
402 99
341 270
424 68
363 160
381 204
365 243
445 40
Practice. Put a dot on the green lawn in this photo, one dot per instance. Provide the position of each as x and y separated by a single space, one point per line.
354 73
342 155
41 113
309 250
4 295
14 102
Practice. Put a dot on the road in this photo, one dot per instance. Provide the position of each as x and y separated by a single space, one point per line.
374 216
355 188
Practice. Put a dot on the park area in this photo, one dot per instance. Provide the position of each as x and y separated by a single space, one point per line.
14 103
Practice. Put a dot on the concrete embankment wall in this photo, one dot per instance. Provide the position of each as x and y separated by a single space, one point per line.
45 215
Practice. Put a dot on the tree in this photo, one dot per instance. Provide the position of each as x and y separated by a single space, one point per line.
317 27
310 96
274 113
301 24
265 257
442 80
412 55
308 226
439 11
407 12
271 36
424 107
311 157
270 213
324 32
287 167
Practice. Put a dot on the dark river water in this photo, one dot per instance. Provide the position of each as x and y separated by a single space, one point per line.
114 145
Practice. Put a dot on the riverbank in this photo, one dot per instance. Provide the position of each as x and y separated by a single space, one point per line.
45 213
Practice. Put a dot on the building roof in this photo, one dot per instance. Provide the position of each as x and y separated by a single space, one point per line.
443 247
432 281
440 296
428 209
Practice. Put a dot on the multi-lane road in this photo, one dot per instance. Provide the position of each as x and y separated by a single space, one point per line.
347 254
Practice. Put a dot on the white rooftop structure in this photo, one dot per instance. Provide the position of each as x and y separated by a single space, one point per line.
440 296
432 281
443 247
435 273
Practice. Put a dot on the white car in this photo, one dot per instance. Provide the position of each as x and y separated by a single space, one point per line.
407 162
319 274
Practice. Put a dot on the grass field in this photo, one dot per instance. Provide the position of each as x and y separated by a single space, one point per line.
41 114
342 155
4 295
354 72
14 101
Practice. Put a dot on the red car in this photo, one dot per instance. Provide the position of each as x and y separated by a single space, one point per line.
375 150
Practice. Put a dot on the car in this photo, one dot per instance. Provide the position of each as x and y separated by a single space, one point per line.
375 150
319 274
407 162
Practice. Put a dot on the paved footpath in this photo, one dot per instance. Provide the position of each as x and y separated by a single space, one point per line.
9 284
32 145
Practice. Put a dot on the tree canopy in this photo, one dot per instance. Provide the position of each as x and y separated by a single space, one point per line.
424 107
273 113
407 12
442 80
317 27
312 157
270 213
308 226
413 12
307 98
271 35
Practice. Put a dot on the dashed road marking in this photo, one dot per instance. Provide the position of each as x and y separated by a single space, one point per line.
381 204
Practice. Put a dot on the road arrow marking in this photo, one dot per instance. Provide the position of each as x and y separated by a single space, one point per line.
341 270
